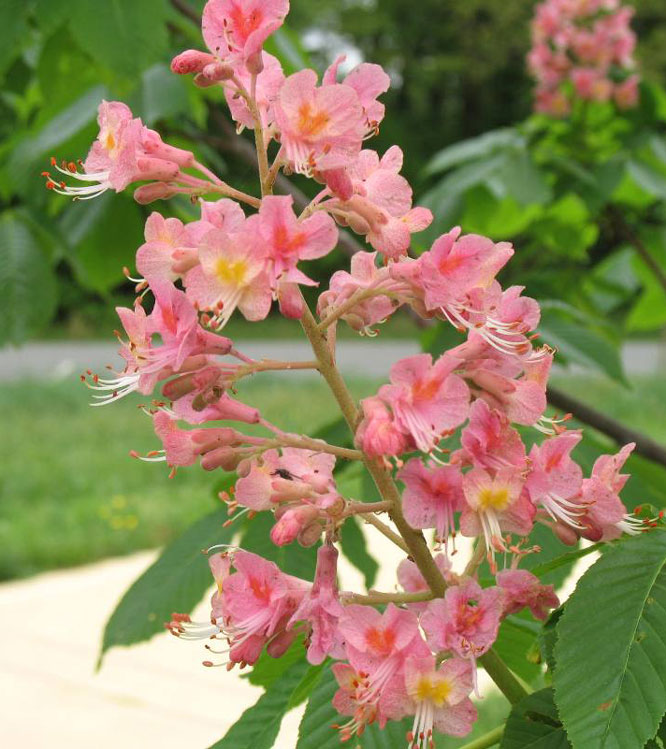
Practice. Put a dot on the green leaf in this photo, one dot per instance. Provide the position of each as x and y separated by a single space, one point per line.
27 282
610 680
515 643
292 559
306 685
13 30
473 148
315 731
564 560
161 94
268 670
581 344
110 244
548 637
286 45
175 582
259 725
651 180
354 547
493 217
124 35
63 126
523 180
534 724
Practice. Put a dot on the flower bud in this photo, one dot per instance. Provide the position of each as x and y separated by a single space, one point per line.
357 223
157 169
310 534
191 61
156 191
226 458
255 63
217 71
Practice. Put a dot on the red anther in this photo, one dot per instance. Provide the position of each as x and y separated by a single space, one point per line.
54 161
50 185
46 174
71 166
126 271
83 378
63 185
95 379
660 515
208 664
173 472
227 523
133 454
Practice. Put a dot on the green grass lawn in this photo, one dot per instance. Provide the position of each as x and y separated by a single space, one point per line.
69 492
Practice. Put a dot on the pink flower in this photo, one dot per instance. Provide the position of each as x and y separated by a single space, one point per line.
439 698
365 282
626 93
232 274
251 608
125 151
377 201
169 250
427 399
320 128
495 503
555 480
523 589
605 516
378 434
488 441
321 609
432 495
581 43
377 646
286 240
466 621
295 475
268 84
176 321
237 29
519 392
369 81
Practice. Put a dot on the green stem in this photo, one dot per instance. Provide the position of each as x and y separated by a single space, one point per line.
416 543
509 684
488 739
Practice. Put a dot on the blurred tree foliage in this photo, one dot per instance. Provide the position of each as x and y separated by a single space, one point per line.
457 68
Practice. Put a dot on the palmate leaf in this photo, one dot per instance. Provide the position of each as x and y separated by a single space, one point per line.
175 582
125 35
610 675
260 724
534 724
27 282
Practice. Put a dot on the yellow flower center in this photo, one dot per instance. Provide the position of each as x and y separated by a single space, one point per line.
435 690
231 271
495 498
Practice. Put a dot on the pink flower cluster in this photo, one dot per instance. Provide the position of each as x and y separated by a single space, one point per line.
416 661
583 49
445 429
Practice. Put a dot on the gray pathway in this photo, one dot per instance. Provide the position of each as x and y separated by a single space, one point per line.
364 358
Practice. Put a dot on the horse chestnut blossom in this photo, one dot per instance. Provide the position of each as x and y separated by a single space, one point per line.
582 50
440 440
